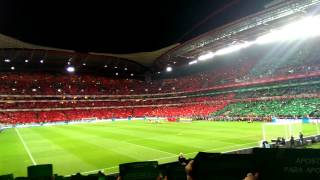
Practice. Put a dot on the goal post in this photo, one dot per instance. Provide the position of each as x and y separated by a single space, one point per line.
155 119
281 129
89 119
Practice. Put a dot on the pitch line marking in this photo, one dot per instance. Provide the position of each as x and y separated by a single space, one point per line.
26 147
149 148
113 167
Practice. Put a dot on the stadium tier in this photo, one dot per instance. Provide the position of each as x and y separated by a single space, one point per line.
246 67
289 98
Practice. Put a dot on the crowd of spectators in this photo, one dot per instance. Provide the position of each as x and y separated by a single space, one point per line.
302 107
250 102
29 87
181 110
302 61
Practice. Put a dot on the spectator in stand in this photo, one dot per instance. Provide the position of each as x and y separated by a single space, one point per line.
182 160
301 137
291 141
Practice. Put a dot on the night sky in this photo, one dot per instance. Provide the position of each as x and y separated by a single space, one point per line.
117 26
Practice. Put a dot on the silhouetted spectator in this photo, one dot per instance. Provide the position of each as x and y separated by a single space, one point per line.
283 141
291 141
182 160
301 137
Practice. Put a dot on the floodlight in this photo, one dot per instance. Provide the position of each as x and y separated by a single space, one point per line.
307 27
233 48
41 61
7 60
207 56
26 61
193 62
169 69
12 68
70 69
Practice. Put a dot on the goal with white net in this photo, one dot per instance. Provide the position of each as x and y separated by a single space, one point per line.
155 119
89 119
281 129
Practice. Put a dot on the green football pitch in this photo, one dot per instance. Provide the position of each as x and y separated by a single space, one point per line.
90 147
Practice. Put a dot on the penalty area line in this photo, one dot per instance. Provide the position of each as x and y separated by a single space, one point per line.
26 147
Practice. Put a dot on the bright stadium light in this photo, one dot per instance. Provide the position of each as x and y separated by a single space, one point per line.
233 48
207 56
7 60
169 69
70 69
193 62
12 68
26 61
307 27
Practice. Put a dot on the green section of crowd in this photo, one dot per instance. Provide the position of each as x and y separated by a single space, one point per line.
288 108
277 89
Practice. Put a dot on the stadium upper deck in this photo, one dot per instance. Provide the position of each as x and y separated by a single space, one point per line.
243 30
27 57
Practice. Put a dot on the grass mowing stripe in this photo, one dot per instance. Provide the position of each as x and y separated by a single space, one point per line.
26 147
169 157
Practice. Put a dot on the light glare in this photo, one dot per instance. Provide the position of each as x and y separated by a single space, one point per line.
233 48
307 27
193 62
207 56
70 69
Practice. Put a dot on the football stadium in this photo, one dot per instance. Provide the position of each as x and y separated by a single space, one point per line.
242 98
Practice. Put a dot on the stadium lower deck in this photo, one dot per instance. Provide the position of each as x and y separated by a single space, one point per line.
90 147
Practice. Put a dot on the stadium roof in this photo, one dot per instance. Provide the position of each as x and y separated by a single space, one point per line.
135 63
244 29
143 58
7 42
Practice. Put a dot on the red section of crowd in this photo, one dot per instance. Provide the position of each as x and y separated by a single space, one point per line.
12 104
65 115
